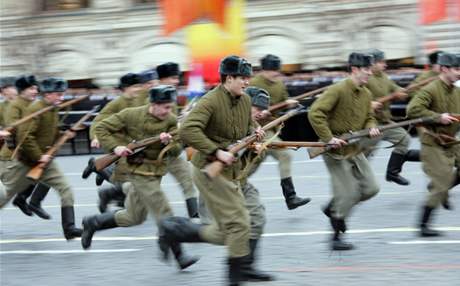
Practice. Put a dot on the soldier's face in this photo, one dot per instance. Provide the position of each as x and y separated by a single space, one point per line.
171 80
379 66
30 93
9 92
161 110
151 83
54 98
362 74
451 74
237 84
256 113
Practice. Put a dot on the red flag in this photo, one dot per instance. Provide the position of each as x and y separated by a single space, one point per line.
432 11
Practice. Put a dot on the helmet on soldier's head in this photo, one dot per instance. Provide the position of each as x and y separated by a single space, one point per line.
448 60
235 66
168 69
259 97
377 54
270 63
25 82
53 84
433 57
162 94
128 80
360 60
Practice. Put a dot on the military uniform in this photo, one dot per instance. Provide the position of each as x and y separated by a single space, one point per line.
380 85
438 161
345 107
142 178
34 139
3 107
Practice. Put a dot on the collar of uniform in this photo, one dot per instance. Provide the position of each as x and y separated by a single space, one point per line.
377 74
233 99
266 80
353 86
445 86
22 100
149 115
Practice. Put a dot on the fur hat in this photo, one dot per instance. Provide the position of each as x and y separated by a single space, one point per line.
162 94
24 82
167 70
234 65
433 57
360 60
448 60
270 63
53 84
129 79
377 54
148 75
259 97
7 81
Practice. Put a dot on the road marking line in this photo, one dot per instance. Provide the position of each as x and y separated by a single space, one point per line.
67 251
279 234
425 242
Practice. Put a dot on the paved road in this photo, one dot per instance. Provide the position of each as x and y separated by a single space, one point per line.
294 249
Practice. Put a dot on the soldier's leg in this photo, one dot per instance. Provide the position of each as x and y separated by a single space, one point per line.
401 139
345 196
53 177
284 159
438 164
205 215
13 177
108 193
39 193
367 183
258 220
20 200
157 204
180 169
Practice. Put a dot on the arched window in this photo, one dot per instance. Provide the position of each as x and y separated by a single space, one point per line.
64 5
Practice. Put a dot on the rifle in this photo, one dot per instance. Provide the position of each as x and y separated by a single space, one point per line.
136 146
354 136
213 169
31 116
410 88
294 144
284 104
36 172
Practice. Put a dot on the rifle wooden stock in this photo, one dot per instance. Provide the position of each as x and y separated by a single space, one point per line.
295 144
284 104
36 172
40 112
213 169
353 136
108 159
408 89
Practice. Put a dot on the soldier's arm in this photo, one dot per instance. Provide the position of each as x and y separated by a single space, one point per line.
177 149
192 130
370 122
419 106
27 135
105 129
108 110
319 113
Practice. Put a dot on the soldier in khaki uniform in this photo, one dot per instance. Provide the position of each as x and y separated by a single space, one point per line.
33 140
27 87
434 70
268 80
220 118
380 85
439 98
140 173
8 93
344 107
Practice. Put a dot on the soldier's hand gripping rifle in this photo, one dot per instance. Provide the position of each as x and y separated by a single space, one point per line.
285 104
355 136
213 169
410 88
31 116
135 146
36 172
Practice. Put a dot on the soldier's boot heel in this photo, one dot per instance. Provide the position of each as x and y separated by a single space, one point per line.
39 194
183 260
20 200
94 223
292 200
68 223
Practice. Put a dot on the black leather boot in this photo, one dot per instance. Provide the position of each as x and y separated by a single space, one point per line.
35 204
292 200
337 243
192 207
394 168
183 260
425 230
412 155
248 272
107 194
340 223
93 223
90 168
20 200
177 229
234 270
68 223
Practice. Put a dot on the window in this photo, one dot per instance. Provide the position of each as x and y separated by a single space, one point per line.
64 5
